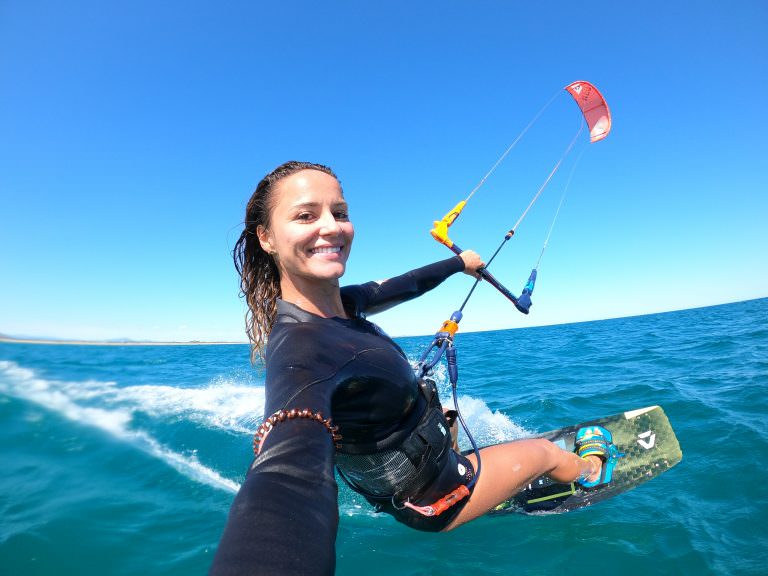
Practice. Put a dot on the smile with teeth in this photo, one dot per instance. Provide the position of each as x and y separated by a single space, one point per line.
326 250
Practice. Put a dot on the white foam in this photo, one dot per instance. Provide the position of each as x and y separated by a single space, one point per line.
222 405
13 369
22 382
187 465
487 427
119 404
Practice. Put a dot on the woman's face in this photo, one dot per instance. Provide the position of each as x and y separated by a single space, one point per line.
309 233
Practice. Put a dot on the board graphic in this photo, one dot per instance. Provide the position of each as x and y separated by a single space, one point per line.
645 440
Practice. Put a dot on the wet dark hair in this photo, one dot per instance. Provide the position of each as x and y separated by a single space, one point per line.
259 275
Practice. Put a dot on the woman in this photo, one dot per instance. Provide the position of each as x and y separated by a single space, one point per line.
340 392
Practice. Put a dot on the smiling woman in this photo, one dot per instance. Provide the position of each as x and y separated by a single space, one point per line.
341 393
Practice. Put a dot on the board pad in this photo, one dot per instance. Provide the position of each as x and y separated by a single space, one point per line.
648 446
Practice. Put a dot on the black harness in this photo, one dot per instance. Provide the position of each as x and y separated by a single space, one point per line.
426 446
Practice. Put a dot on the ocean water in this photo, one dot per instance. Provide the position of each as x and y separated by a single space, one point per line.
125 459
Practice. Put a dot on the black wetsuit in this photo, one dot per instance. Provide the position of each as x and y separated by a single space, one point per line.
285 516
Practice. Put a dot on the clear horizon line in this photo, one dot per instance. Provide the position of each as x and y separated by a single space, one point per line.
116 342
28 340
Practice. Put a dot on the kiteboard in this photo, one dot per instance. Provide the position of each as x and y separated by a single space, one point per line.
647 447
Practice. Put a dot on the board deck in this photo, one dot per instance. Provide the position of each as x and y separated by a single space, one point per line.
648 446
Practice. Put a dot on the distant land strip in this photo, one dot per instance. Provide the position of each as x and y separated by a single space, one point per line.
13 340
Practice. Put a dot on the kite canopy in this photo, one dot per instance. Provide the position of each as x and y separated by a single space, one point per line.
594 108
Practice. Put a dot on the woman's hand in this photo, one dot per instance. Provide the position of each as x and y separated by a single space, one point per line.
472 262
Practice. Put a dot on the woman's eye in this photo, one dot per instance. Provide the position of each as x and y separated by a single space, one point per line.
305 216
341 215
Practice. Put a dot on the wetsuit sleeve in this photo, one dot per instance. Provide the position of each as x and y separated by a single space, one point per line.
372 297
285 516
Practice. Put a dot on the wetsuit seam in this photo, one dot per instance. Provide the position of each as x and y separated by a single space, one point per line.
307 386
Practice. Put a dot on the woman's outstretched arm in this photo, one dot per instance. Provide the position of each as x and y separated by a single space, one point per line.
285 516
374 297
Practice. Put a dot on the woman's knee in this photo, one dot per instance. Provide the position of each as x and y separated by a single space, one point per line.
548 453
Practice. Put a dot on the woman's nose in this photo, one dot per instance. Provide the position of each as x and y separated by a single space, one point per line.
329 224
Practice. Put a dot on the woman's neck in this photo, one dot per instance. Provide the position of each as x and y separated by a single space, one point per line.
322 298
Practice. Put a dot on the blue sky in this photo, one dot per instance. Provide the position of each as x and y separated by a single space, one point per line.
132 135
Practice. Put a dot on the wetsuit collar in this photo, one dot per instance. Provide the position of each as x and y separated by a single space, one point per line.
288 312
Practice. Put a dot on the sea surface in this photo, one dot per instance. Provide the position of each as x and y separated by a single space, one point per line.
125 459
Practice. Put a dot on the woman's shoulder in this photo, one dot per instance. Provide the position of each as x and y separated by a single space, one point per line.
297 337
293 337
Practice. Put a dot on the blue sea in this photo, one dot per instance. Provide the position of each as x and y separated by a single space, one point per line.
125 459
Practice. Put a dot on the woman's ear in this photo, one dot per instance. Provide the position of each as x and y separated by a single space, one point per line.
265 239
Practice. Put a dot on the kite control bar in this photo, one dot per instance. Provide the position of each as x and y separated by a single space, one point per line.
440 233
488 277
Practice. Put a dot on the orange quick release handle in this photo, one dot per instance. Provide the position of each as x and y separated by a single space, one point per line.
450 327
449 500
441 505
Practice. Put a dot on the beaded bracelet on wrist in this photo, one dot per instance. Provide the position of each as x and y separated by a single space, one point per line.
282 415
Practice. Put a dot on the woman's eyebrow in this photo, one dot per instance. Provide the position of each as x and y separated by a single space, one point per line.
300 205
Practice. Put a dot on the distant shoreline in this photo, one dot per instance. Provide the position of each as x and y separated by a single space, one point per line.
107 343
12 340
